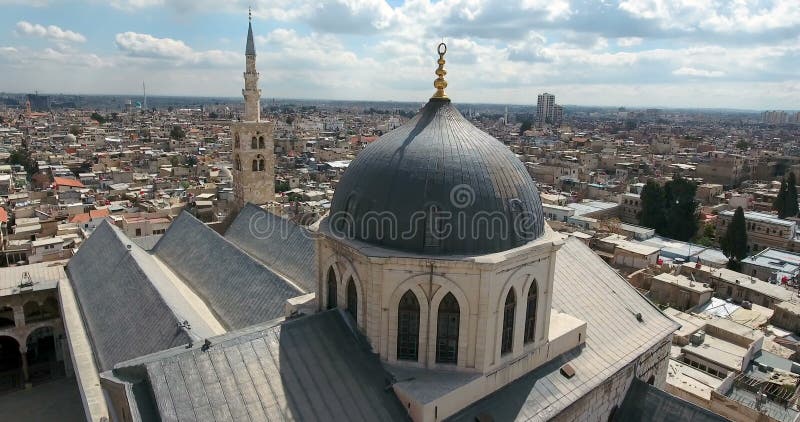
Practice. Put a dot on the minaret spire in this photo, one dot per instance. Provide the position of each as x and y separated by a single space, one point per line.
250 50
251 93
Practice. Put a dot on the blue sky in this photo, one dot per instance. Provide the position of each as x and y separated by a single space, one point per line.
671 53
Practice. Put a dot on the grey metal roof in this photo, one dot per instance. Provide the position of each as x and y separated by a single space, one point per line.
587 288
147 242
124 313
313 368
250 50
240 290
438 158
643 402
280 244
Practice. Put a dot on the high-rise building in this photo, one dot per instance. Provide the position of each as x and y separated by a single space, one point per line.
253 150
547 111
544 108
774 117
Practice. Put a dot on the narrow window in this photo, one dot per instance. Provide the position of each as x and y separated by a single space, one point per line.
530 314
447 330
253 143
408 327
261 142
352 299
255 165
507 341
331 288
236 141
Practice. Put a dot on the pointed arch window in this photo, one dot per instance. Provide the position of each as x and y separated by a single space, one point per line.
261 142
530 314
253 143
507 341
447 325
255 165
352 299
331 288
408 327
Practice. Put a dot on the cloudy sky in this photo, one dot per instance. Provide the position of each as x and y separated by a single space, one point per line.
670 53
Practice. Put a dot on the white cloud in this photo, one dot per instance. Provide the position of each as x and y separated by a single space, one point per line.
147 46
50 32
629 41
702 73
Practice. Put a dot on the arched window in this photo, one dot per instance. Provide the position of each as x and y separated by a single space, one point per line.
447 330
530 314
236 141
261 164
258 163
6 317
352 299
255 165
237 164
261 142
408 327
253 143
507 341
331 288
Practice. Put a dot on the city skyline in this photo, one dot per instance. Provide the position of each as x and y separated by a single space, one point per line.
637 54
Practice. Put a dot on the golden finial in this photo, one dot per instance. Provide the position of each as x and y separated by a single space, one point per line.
440 84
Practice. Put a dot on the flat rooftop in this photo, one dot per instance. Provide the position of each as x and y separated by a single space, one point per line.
694 381
683 283
718 351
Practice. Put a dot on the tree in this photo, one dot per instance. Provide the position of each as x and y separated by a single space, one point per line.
681 209
786 201
75 130
652 214
526 125
734 242
742 144
98 118
791 196
177 133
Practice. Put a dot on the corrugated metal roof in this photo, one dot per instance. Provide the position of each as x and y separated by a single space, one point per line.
240 290
278 243
586 288
311 368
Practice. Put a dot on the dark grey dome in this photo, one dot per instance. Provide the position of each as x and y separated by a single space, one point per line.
438 185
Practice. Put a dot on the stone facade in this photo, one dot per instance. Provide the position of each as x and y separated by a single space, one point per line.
253 163
253 146
480 285
598 405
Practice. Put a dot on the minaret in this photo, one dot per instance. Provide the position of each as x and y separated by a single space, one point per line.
253 151
251 93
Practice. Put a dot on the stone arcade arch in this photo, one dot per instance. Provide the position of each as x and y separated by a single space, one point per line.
11 375
41 354
6 317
